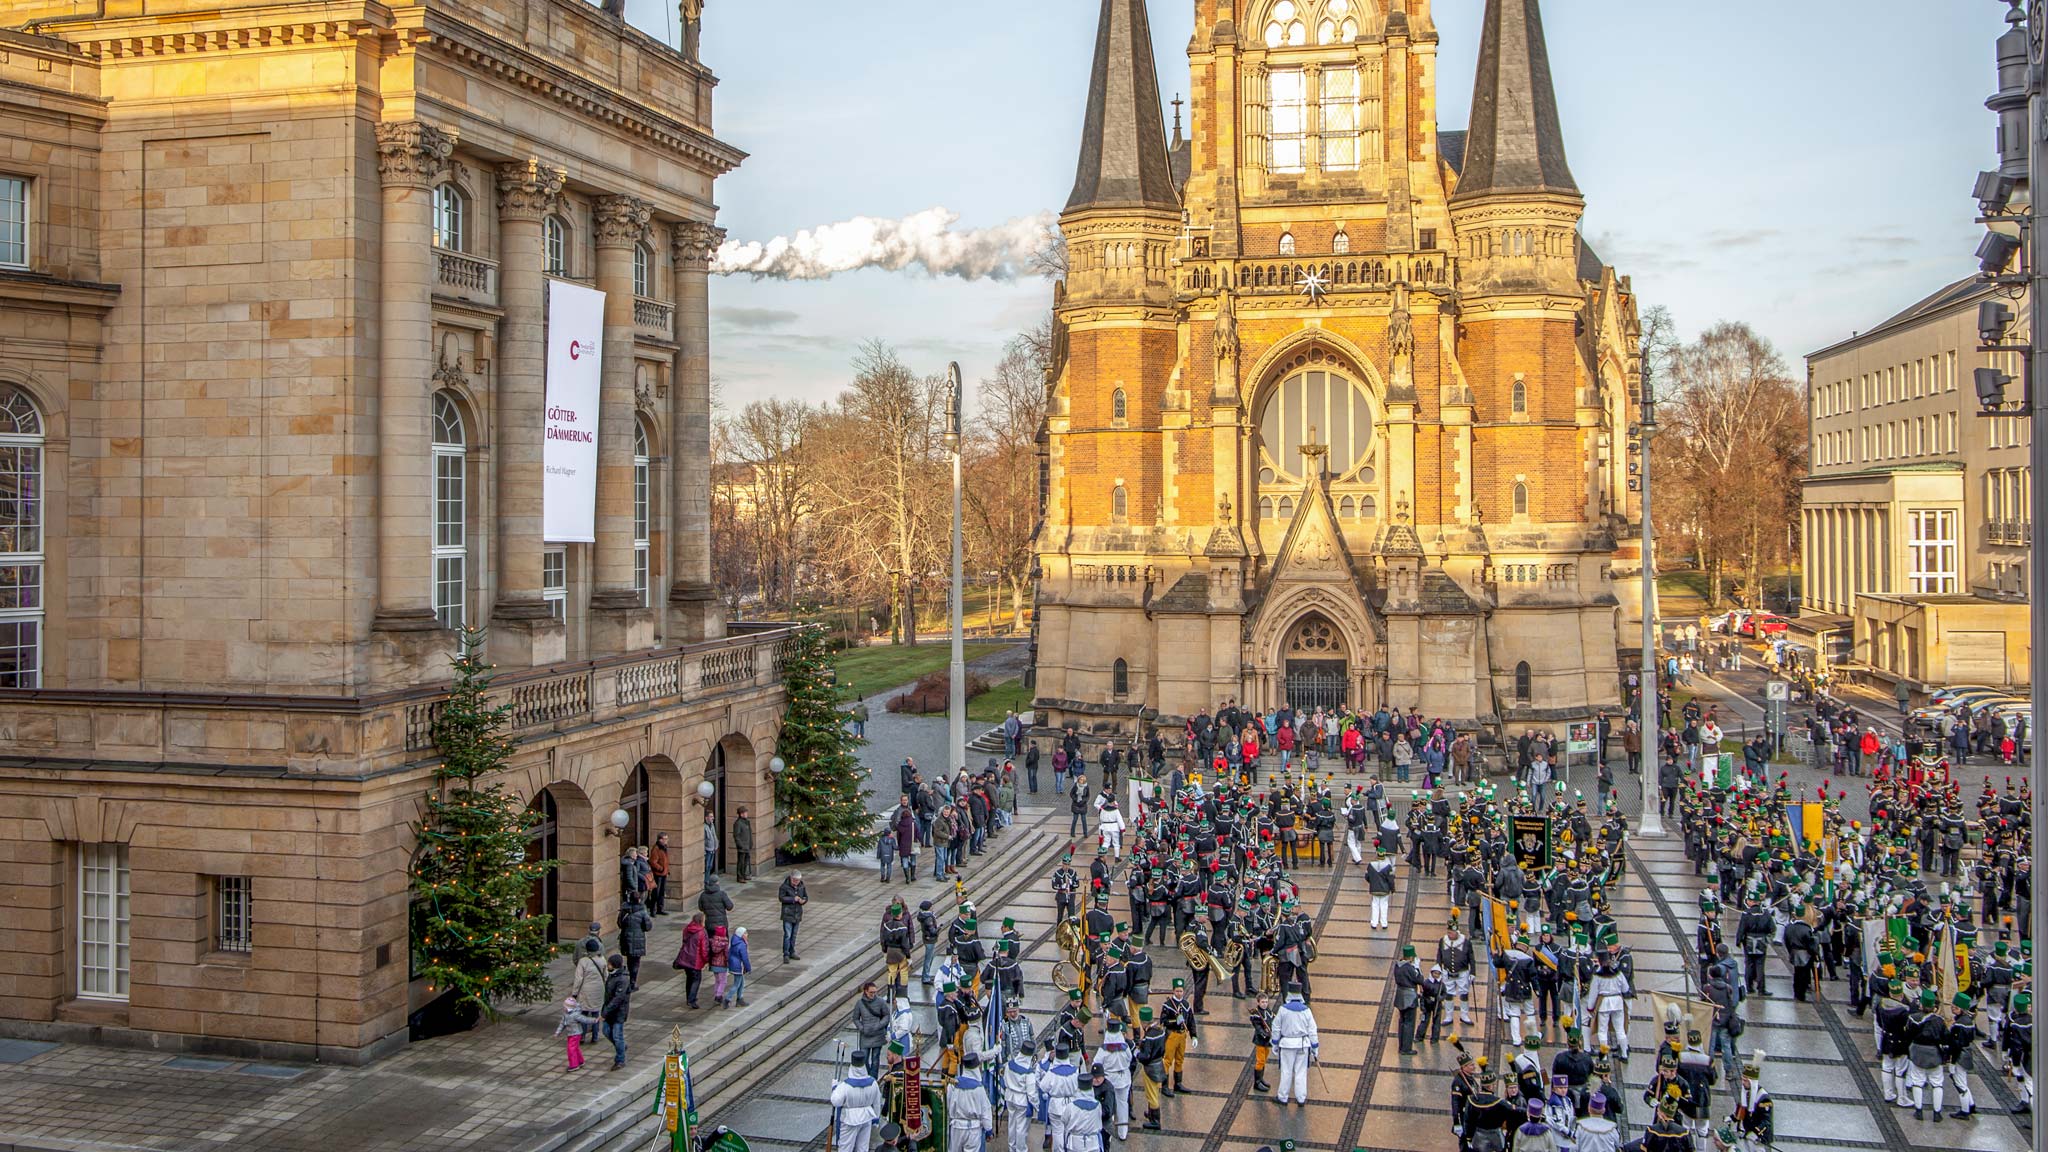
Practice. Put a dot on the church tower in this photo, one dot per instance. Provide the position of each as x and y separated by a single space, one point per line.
1339 399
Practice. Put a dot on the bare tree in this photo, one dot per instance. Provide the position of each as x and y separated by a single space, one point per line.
1050 258
1001 465
878 478
766 438
1734 440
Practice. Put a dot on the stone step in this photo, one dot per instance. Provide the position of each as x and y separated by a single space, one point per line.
726 1072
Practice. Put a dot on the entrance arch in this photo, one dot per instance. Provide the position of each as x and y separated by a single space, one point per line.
559 828
1315 665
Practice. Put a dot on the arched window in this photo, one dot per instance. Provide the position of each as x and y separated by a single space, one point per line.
1265 507
642 522
1284 27
1119 407
643 261
1119 503
1518 401
1347 508
1119 678
1331 403
451 512
1522 681
554 233
21 540
1521 499
1287 507
1287 243
451 218
1368 508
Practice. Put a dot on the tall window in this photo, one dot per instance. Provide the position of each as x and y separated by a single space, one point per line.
1341 243
1119 405
451 511
13 222
554 234
642 259
21 540
451 219
1521 499
1119 678
1287 243
233 914
554 581
1518 400
642 580
1340 118
1119 502
1287 102
103 921
1931 549
1522 685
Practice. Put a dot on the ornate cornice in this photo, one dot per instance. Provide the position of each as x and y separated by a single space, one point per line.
527 190
621 221
412 153
695 242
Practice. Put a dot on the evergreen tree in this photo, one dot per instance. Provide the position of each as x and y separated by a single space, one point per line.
824 807
470 877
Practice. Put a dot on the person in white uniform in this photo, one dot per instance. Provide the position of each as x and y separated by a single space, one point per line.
1059 1084
857 1104
1610 993
1020 1095
1115 1059
970 1118
1084 1123
1294 1034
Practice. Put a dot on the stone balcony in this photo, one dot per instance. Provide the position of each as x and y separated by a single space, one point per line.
303 735
471 279
654 318
1340 273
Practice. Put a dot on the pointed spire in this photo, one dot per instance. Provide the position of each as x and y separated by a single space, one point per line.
1123 140
1515 144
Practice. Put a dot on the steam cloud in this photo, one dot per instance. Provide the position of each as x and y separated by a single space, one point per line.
925 239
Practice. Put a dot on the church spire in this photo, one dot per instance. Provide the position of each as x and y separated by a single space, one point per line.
1515 144
1124 159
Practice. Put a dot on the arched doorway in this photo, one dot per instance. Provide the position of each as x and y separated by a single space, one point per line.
544 842
714 774
1317 669
638 832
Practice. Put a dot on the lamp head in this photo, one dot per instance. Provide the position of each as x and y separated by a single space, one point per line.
706 790
619 819
1996 252
775 766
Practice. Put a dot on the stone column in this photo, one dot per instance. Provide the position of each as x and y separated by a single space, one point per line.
523 632
694 611
618 623
411 158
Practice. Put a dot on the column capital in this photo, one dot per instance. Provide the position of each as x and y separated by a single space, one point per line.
410 153
528 191
621 221
695 242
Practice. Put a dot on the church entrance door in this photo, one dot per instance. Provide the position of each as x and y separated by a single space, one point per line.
1313 684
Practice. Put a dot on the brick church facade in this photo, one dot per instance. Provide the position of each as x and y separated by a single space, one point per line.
1342 403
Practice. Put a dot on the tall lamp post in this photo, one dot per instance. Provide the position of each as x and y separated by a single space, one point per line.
956 704
1648 736
2022 106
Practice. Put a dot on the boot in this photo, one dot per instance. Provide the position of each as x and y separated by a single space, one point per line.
1152 1120
1919 1113
1259 1083
1969 1113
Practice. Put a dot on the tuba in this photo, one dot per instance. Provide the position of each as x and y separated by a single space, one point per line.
1067 934
1269 975
1198 958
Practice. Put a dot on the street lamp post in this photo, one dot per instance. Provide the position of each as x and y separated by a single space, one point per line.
956 704
1648 735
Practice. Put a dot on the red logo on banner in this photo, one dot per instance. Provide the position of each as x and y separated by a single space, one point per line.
575 349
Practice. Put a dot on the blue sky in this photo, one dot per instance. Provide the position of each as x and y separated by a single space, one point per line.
1803 166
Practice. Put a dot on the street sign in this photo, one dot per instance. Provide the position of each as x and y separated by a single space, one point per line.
1780 690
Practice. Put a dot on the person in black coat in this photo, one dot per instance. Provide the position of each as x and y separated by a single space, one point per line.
634 925
792 896
1802 948
714 903
618 1001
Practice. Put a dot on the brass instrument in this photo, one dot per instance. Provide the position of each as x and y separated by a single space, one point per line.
1200 958
1067 934
1269 975
1066 976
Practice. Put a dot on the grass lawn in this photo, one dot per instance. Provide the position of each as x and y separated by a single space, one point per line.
993 705
866 671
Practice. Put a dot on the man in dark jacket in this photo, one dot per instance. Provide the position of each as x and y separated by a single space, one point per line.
792 896
743 845
634 925
714 903
871 1022
618 1000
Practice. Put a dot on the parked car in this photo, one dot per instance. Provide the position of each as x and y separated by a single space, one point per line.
1943 695
1762 624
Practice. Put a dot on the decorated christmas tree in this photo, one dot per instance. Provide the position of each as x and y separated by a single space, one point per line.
824 807
470 876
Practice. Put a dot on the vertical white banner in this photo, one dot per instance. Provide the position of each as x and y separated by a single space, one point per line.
569 422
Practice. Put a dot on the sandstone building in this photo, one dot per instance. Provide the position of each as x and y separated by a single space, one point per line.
271 385
1343 404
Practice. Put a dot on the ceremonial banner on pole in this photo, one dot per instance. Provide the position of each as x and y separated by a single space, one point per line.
569 425
1497 918
1691 1013
1530 838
